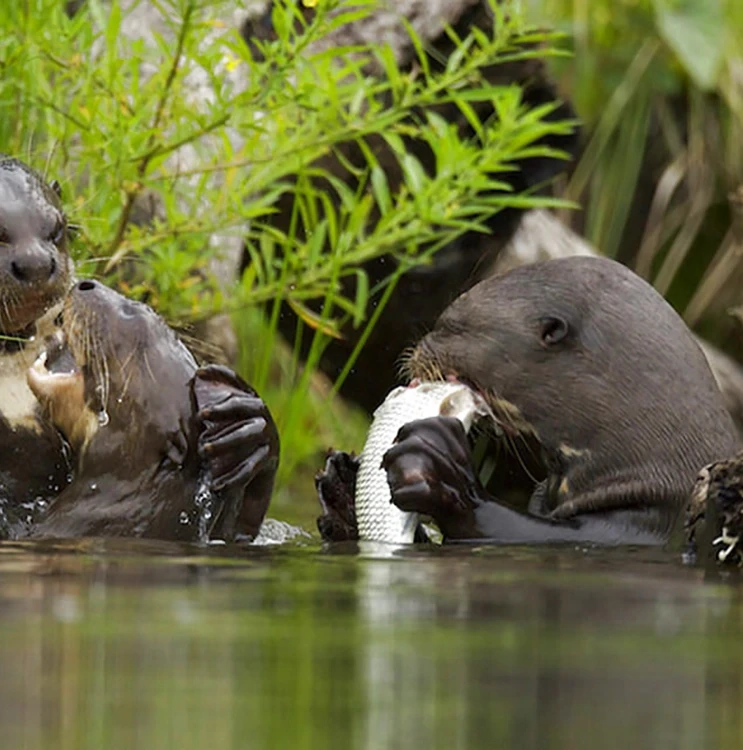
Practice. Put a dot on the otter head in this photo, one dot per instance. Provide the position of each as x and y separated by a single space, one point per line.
535 344
114 381
34 262
586 357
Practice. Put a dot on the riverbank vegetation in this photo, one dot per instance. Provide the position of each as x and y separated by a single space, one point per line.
658 85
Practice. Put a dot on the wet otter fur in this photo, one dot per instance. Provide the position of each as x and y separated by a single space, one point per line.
35 271
155 438
587 361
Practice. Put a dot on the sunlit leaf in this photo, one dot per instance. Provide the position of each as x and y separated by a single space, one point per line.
695 30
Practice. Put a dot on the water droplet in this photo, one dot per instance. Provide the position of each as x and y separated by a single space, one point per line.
93 486
103 418
183 518
204 501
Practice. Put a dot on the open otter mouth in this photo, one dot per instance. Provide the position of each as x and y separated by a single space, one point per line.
507 453
54 369
58 382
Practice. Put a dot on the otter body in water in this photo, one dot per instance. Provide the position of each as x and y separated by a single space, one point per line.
35 270
586 361
162 448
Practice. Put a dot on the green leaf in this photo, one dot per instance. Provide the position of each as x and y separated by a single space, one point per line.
695 30
362 296
381 189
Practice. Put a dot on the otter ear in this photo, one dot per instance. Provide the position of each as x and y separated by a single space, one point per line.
552 330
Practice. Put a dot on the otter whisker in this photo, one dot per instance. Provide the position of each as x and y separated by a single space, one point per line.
128 380
403 362
515 430
149 368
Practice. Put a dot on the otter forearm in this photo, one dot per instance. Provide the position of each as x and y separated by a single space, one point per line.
431 472
496 523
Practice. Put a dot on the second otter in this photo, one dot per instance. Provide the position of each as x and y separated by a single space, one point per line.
587 362
163 448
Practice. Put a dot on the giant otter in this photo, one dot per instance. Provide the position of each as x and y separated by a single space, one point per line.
162 448
587 361
35 269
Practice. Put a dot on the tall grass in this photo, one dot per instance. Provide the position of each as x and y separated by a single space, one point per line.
659 84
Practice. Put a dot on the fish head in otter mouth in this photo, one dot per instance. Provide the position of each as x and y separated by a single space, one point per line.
35 265
115 369
517 346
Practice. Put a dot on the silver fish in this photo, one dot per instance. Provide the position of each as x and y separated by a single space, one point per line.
377 518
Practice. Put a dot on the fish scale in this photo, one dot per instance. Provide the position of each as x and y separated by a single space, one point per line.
376 517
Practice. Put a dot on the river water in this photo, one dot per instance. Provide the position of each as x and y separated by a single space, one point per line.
125 644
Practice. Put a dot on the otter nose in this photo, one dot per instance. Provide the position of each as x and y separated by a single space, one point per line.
34 264
87 285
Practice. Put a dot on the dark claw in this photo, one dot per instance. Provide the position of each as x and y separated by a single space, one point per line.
445 433
234 406
245 472
414 498
217 441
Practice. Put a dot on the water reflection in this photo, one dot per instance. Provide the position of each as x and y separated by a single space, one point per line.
141 645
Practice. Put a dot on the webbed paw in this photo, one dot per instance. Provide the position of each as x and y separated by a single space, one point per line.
336 489
237 442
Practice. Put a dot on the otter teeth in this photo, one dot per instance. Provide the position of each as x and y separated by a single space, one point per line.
41 376
53 369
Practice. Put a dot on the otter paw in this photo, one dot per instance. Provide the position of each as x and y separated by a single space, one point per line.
237 438
430 470
336 488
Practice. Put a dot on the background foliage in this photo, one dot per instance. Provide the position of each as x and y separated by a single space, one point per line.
659 85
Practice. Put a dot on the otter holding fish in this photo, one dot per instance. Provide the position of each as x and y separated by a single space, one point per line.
588 362
163 448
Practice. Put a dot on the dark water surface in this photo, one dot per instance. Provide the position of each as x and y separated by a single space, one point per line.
135 645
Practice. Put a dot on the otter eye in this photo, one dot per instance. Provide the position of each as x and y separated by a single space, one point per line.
552 330
58 233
